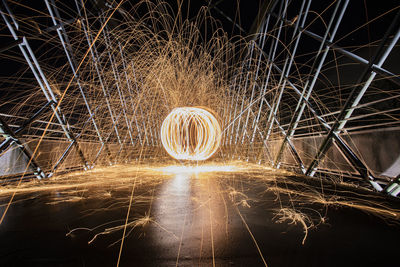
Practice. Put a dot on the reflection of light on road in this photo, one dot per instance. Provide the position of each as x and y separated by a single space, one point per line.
180 183
191 213
180 169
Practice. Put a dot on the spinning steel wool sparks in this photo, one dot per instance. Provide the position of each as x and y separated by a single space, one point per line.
191 133
295 105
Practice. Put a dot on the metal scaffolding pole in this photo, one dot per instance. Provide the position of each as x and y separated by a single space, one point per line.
140 108
291 146
261 44
40 77
355 96
11 137
379 70
321 55
117 82
344 148
275 104
231 101
95 58
293 150
234 112
244 89
264 85
68 149
128 84
236 104
57 21
26 123
347 151
108 137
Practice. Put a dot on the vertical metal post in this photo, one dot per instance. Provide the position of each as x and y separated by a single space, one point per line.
41 78
234 111
263 87
245 88
5 144
95 58
72 62
355 97
117 82
140 108
261 45
128 84
10 136
274 47
286 70
347 152
230 108
108 137
324 49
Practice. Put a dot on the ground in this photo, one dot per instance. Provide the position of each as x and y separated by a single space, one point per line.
231 214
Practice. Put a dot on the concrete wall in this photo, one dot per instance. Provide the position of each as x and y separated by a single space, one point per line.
379 149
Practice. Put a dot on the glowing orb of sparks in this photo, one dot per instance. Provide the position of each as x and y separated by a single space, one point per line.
190 133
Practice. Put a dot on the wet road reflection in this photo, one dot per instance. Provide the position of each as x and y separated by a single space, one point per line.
209 215
190 206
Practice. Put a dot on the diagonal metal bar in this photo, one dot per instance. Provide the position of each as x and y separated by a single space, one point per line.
6 131
291 146
40 77
261 45
349 154
33 118
108 137
263 88
57 21
379 70
117 82
321 56
12 136
69 149
357 93
95 59
128 85
136 82
244 89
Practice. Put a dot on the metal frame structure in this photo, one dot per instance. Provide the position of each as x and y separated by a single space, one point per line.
33 63
334 129
259 90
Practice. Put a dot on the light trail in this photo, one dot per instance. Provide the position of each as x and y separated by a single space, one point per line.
178 169
191 133
252 237
194 195
161 64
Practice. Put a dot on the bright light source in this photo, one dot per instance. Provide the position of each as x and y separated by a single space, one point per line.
179 169
190 133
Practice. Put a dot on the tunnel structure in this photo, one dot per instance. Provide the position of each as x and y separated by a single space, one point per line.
306 92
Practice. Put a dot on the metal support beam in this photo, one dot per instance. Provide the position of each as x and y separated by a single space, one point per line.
356 94
26 123
118 82
34 117
349 154
62 34
130 91
68 149
314 73
6 131
273 110
30 58
95 59
379 70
